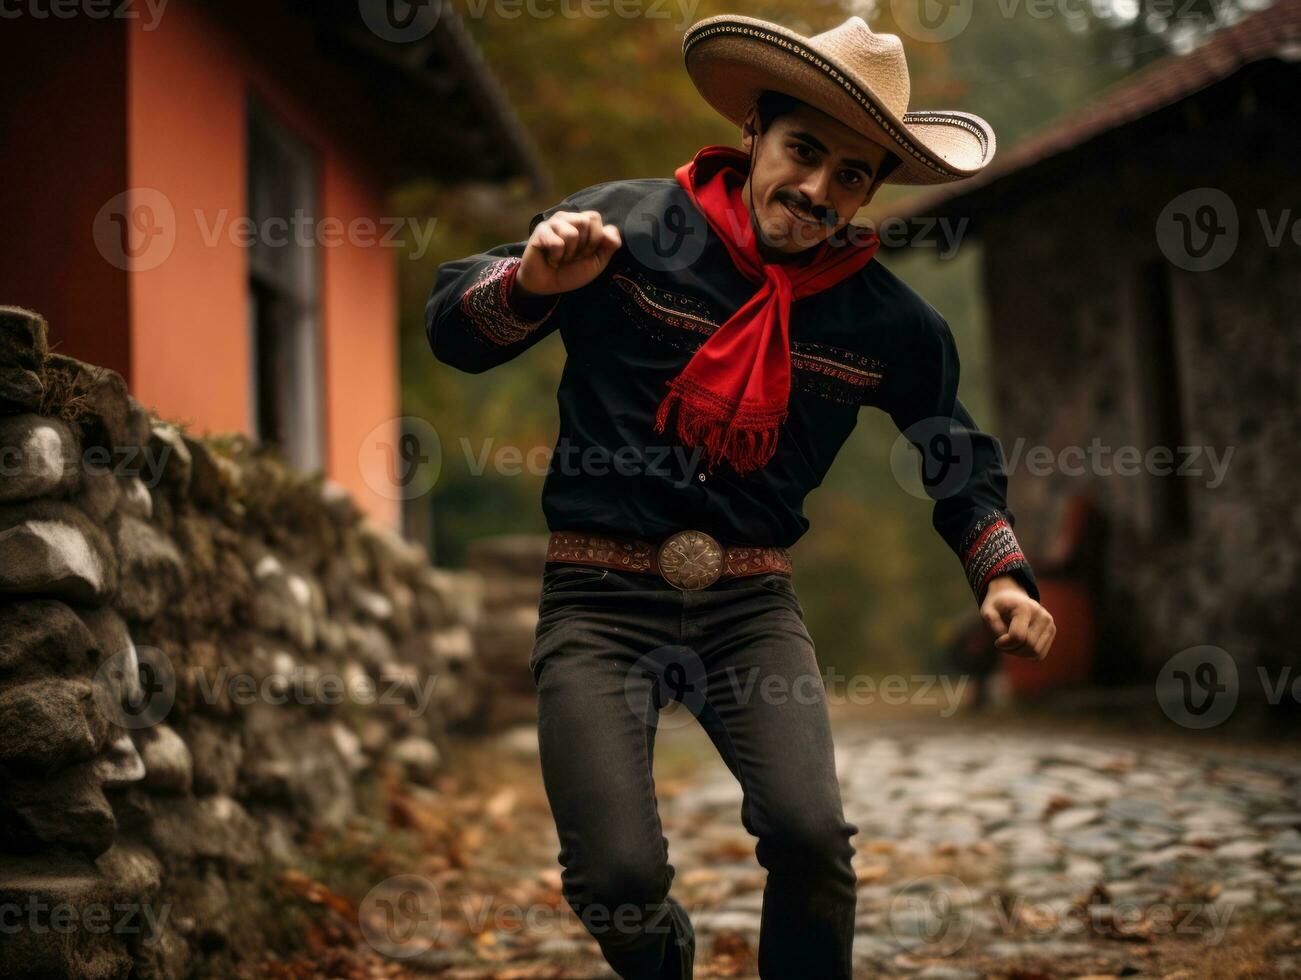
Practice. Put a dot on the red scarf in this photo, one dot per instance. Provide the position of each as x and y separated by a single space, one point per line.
732 394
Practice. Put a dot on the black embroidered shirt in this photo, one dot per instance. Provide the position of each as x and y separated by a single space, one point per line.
870 340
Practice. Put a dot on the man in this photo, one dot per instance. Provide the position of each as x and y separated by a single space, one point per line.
723 329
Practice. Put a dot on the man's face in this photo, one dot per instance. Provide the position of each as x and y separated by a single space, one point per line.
811 174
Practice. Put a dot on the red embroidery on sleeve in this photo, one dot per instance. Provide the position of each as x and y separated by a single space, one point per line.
487 304
991 549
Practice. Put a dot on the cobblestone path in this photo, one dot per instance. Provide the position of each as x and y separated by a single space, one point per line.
984 850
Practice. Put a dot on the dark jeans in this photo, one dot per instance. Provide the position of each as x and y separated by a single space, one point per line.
612 648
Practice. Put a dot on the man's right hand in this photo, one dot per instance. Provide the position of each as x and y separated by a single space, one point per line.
567 251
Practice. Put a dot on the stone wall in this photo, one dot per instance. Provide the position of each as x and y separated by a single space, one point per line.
201 655
510 567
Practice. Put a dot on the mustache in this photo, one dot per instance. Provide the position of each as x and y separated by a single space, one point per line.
822 215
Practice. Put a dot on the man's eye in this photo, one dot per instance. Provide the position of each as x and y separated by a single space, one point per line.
801 149
855 178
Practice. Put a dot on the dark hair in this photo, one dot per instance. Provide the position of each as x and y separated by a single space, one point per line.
772 104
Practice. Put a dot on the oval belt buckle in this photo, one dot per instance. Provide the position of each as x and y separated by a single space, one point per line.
690 560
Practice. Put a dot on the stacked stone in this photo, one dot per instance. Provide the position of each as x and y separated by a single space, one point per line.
201 652
511 569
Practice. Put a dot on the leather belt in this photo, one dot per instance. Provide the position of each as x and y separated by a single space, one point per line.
687 560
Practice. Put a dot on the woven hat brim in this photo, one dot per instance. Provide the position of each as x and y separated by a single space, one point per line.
731 59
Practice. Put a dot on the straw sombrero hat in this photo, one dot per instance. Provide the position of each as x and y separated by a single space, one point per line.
849 72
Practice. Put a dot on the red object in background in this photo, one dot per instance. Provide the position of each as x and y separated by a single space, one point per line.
1070 661
1067 589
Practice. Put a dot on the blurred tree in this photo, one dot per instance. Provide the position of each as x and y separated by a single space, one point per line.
1132 33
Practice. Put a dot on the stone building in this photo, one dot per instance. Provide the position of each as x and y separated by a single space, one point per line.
1141 269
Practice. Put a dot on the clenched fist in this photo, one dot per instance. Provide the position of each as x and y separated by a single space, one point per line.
1022 626
567 251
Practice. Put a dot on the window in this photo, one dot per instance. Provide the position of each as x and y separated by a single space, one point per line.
284 306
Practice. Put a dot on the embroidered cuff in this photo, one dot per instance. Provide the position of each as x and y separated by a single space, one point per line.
990 549
487 304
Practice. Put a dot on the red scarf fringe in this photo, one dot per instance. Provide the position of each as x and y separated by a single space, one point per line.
747 438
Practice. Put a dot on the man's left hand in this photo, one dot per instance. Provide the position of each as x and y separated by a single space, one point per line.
1024 628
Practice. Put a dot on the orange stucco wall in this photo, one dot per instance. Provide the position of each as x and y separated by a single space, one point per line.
361 355
188 86
186 94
